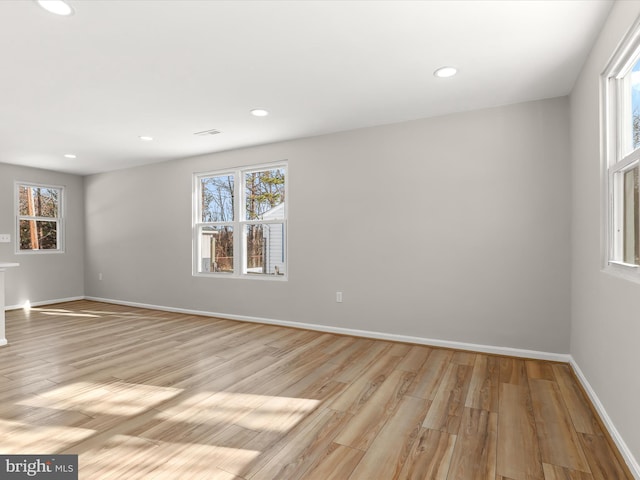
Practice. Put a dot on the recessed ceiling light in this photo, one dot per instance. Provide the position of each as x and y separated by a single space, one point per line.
144 138
69 155
445 72
259 112
57 7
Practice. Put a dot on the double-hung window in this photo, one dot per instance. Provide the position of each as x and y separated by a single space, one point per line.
39 218
240 222
621 149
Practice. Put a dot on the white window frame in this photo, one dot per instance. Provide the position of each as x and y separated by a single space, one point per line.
616 160
60 223
238 223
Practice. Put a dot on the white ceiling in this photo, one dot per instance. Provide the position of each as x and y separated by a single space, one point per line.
91 83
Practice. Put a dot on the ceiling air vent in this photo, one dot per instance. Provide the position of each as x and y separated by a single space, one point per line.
204 133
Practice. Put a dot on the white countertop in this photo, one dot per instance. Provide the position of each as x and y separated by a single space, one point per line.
7 264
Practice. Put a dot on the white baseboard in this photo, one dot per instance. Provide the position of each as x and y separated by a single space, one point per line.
624 450
511 352
44 302
632 463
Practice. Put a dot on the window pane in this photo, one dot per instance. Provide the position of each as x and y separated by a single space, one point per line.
217 198
264 192
216 249
265 249
631 232
39 201
635 104
38 235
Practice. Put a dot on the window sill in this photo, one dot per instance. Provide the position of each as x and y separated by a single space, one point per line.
625 271
38 252
630 266
262 278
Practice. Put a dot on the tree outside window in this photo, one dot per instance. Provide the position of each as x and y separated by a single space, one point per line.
243 211
39 217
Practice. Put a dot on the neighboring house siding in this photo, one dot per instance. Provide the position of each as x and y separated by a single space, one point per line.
274 236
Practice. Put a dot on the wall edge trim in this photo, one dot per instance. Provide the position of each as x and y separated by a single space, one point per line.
624 450
474 347
46 302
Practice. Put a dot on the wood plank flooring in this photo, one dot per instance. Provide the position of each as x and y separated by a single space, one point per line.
143 394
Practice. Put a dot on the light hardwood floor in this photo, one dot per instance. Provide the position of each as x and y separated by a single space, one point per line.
142 394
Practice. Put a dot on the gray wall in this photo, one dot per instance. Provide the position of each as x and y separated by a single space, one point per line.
605 309
453 228
49 276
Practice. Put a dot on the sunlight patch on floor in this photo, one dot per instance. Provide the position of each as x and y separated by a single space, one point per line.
26 437
163 460
109 398
59 312
278 414
254 412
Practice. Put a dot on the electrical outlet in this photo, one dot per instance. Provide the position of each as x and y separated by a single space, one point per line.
5 238
100 276
339 297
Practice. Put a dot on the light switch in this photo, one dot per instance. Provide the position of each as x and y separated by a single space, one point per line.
5 238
